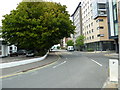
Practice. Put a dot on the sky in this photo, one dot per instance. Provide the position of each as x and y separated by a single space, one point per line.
7 5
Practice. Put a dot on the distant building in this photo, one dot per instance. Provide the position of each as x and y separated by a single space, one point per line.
77 21
5 50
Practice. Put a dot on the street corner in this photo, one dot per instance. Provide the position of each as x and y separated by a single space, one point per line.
110 85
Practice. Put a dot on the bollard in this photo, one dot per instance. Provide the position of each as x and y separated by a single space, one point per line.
113 70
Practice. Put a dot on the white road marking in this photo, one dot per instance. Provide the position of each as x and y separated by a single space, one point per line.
59 64
97 62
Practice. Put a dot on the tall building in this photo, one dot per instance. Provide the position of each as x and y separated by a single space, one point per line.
113 22
118 8
77 21
95 25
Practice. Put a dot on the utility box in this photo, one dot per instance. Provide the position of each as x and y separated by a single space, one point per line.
113 70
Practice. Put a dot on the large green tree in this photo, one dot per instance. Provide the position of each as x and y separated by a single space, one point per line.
37 25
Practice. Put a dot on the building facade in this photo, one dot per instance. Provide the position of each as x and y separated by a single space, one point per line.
118 8
77 21
5 50
113 22
95 25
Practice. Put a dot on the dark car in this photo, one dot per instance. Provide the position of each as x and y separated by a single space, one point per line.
21 52
13 54
30 53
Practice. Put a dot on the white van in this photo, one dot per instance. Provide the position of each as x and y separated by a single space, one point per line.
70 48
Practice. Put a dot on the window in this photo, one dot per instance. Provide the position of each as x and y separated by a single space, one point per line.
91 5
100 35
0 50
92 24
92 30
102 12
92 37
99 20
100 27
10 48
0 47
101 6
89 25
89 31
91 17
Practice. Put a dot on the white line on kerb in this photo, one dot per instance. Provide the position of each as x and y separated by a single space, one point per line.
59 64
97 62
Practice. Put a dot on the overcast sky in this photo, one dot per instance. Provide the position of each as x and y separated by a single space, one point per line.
7 5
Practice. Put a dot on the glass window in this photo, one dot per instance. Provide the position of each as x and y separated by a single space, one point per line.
10 48
0 47
100 27
101 6
90 37
92 24
100 35
100 20
92 30
116 29
89 31
102 12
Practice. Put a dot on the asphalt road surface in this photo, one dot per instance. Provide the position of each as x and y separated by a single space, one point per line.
72 70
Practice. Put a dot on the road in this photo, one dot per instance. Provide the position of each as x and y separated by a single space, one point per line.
72 70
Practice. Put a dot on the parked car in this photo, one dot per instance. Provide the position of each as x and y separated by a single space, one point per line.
22 52
70 48
30 53
13 54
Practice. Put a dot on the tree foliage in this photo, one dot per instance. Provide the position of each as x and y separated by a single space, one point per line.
37 25
70 43
80 41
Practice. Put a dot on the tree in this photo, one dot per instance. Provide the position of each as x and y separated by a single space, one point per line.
80 41
37 25
70 43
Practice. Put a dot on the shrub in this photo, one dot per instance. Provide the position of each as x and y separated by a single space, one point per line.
90 49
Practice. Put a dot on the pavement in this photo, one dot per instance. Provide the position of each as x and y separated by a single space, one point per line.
108 83
112 55
11 71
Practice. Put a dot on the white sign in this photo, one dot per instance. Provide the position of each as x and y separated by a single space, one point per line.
113 70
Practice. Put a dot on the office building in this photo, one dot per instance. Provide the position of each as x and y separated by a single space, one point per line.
113 22
77 21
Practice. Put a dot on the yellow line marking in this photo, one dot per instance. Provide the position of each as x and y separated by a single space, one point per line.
32 69
11 75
